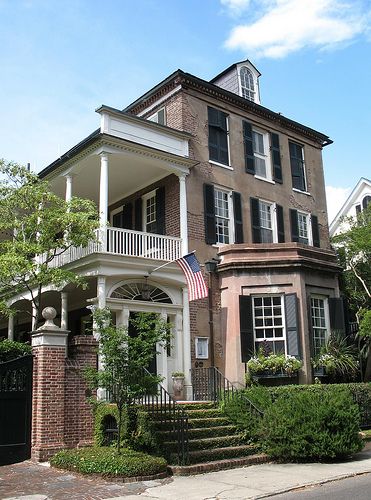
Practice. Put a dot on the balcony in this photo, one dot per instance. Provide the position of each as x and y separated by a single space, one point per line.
127 243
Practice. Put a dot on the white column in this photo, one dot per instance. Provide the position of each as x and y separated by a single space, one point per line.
11 327
187 346
101 296
183 213
103 198
64 310
68 188
161 357
33 321
178 343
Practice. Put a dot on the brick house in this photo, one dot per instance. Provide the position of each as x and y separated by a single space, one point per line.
197 165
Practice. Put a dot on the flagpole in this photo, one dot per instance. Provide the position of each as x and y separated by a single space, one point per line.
167 263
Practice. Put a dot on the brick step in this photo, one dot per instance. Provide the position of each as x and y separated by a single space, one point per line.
204 413
201 432
202 456
215 465
195 423
207 443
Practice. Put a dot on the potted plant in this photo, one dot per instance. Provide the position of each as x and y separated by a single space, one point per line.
178 385
336 360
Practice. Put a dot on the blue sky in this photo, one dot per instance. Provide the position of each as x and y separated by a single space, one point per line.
61 59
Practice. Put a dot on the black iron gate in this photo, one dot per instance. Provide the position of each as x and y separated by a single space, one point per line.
15 410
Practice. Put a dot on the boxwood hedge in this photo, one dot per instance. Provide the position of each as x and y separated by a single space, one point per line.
108 463
10 349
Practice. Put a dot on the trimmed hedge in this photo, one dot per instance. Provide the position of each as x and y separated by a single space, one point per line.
107 462
312 426
141 438
10 349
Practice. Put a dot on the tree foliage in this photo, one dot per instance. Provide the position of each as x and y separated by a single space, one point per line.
36 226
124 359
355 253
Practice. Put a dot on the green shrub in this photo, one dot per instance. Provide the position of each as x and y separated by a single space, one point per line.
137 432
9 349
107 462
311 425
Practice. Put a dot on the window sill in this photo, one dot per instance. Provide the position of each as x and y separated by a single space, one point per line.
302 192
220 165
264 179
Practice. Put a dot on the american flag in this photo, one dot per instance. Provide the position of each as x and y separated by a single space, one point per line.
196 284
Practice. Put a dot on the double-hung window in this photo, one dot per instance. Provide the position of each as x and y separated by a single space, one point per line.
218 136
304 228
320 322
262 153
297 166
223 215
261 156
149 212
247 84
158 117
268 318
202 347
267 222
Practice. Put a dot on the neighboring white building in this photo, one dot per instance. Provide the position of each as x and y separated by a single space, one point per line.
357 201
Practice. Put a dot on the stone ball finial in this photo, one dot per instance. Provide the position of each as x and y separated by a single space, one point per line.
49 314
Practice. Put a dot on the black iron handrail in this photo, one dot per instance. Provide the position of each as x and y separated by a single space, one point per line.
209 384
166 410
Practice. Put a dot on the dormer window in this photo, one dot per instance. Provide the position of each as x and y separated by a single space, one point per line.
247 84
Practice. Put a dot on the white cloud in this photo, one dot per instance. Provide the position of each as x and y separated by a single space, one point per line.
284 26
235 6
335 196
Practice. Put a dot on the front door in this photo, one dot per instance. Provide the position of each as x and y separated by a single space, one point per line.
133 332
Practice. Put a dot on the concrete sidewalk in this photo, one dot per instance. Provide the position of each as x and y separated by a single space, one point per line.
30 481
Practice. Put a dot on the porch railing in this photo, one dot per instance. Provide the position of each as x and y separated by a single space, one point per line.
127 243
209 384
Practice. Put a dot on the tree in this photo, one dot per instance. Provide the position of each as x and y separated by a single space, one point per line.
125 357
36 226
354 246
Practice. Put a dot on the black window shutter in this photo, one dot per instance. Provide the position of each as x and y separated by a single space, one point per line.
297 167
292 326
246 328
358 209
138 214
218 140
276 157
127 216
280 224
315 231
209 207
237 210
117 220
255 220
160 210
336 310
294 225
248 145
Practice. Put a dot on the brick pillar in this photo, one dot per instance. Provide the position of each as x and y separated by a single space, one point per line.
79 413
49 347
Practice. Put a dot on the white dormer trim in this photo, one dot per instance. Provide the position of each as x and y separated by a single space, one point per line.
255 75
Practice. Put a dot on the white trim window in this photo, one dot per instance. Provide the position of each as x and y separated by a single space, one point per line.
247 84
223 216
269 322
305 228
158 117
202 347
320 322
267 222
262 162
149 212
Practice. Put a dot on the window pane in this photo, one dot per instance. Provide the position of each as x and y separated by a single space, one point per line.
268 321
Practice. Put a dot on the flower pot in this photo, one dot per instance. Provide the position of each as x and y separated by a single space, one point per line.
178 388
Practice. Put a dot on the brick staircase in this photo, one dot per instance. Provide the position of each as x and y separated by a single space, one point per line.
212 440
